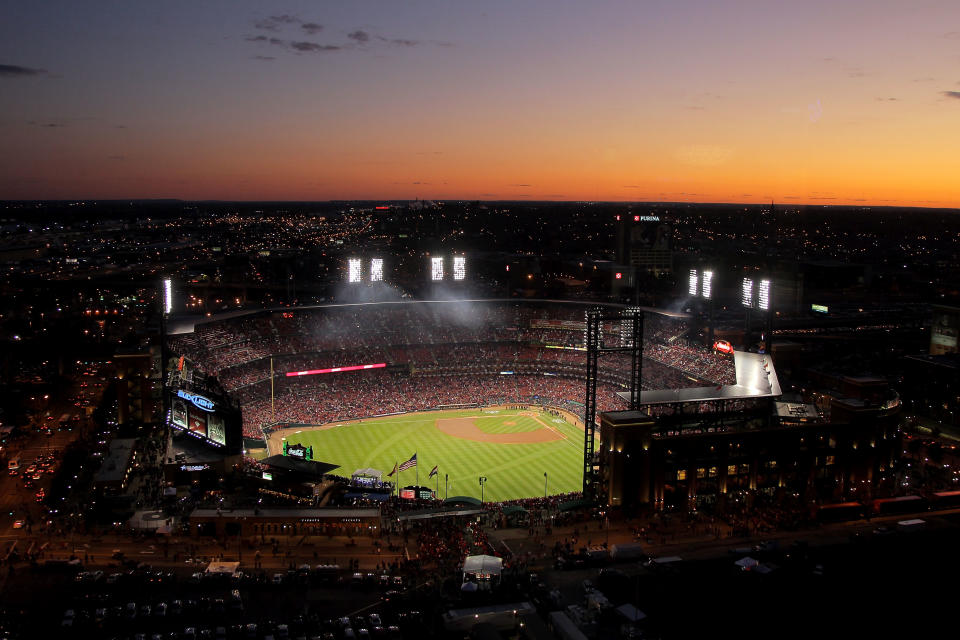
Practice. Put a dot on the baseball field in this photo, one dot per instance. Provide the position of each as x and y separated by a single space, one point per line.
511 448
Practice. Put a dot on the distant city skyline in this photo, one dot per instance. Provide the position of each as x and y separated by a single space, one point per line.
702 101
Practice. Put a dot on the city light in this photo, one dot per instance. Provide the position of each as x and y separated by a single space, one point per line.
436 269
376 270
354 270
459 268
694 282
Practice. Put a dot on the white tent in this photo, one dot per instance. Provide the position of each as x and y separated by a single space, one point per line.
631 613
223 568
483 566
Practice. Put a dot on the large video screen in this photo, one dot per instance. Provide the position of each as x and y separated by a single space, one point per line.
215 430
198 422
179 415
213 421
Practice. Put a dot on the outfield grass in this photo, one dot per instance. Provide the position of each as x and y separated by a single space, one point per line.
512 470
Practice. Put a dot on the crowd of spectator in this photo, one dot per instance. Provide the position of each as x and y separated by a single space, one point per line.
440 354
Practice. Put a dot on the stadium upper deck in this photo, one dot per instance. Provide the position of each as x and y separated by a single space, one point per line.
439 334
429 346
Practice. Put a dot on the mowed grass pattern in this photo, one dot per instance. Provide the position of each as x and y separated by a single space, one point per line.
510 424
512 470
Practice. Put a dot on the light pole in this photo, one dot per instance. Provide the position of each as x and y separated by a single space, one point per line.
446 485
544 485
483 479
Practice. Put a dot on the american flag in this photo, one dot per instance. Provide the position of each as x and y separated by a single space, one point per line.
409 464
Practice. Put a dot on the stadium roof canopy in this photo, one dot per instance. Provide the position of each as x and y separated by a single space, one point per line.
187 323
756 378
307 467
513 508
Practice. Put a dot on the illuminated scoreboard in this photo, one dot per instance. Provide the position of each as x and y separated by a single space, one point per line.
213 421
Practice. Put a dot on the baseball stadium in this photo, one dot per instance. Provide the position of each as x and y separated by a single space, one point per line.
478 399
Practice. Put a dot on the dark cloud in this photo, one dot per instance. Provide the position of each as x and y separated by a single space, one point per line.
15 71
313 47
46 125
312 27
399 41
273 23
359 36
519 185
952 94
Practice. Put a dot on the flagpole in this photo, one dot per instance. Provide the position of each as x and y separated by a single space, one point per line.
417 467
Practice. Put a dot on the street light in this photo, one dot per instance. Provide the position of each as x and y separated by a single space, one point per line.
483 479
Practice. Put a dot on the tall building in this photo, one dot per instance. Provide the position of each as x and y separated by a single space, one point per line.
943 330
645 242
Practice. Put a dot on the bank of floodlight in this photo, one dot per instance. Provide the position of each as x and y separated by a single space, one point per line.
746 296
376 270
167 295
700 284
354 270
436 269
459 268
763 297
706 287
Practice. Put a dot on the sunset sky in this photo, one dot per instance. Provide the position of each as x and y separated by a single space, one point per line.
829 102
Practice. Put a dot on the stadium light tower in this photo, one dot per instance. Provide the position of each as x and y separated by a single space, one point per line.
354 270
167 309
376 270
436 269
701 286
759 296
459 268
